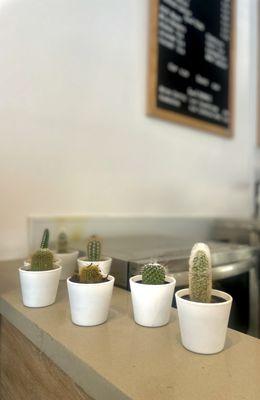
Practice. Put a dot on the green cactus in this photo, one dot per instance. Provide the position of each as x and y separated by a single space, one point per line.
94 249
45 239
200 274
42 260
62 243
90 274
153 274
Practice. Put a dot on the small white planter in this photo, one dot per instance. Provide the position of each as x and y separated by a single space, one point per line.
89 302
104 264
203 325
152 303
39 288
68 262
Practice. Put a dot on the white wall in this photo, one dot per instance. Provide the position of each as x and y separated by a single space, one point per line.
75 137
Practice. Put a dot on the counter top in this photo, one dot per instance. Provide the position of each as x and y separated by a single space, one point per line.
120 360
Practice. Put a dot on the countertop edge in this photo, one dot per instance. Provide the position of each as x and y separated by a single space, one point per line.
82 374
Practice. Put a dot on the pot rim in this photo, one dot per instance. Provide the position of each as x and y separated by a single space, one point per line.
109 277
134 279
182 292
104 259
58 267
71 251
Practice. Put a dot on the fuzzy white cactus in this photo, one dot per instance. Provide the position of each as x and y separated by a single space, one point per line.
200 273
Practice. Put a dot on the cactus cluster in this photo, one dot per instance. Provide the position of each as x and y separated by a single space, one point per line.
200 274
62 243
94 249
153 274
43 259
90 274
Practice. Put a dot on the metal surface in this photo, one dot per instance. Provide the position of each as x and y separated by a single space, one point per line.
228 260
181 274
142 248
246 231
129 255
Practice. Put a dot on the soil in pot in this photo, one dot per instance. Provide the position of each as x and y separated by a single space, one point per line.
86 259
164 283
75 279
214 299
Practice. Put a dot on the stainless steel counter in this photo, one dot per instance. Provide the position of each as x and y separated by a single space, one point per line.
231 262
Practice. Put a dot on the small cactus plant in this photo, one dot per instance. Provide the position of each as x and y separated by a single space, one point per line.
94 249
45 239
42 260
200 273
90 274
62 243
153 274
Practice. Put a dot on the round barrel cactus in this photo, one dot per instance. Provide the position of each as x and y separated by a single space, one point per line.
153 274
90 274
42 260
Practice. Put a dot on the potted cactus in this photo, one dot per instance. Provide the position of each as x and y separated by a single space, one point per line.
39 277
67 256
203 312
94 255
152 294
90 293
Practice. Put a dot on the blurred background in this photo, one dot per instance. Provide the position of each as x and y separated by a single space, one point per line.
75 137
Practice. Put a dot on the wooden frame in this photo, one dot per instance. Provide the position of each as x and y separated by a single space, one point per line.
154 110
28 374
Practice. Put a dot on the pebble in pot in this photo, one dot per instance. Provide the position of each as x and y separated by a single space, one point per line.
203 312
67 256
90 294
39 278
152 294
94 255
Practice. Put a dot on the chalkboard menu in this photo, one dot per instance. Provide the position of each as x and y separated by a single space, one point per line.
191 63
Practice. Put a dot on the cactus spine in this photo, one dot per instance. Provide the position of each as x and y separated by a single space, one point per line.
200 273
94 249
42 260
45 239
90 274
62 243
153 274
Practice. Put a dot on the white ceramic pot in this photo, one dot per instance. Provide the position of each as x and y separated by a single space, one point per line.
39 288
152 303
68 262
89 302
203 326
104 264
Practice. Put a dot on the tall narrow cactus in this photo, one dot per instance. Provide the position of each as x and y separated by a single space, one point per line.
62 243
42 260
90 274
94 249
200 273
45 239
